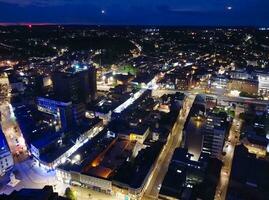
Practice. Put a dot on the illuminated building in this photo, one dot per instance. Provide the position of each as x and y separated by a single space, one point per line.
240 74
59 110
6 159
219 82
183 83
52 150
139 135
214 135
248 86
263 83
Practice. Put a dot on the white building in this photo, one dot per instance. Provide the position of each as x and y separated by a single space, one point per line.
240 74
6 159
263 83
79 179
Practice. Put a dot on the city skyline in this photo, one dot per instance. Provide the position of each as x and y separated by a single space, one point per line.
134 100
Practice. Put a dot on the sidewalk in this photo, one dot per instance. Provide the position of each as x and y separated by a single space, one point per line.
35 173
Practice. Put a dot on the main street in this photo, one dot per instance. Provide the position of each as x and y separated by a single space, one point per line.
229 148
155 180
13 133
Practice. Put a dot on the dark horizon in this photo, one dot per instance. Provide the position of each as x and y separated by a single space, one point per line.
27 24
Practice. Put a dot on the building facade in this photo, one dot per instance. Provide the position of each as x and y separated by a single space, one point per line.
248 86
59 110
78 84
6 159
263 84
214 134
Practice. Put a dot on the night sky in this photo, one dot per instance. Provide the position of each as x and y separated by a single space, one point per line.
137 12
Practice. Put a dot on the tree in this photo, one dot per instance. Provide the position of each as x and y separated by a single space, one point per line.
69 193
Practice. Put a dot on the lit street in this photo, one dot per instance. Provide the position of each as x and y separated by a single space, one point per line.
159 92
174 141
229 147
13 133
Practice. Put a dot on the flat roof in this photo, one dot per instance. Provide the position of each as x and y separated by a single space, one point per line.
88 152
110 159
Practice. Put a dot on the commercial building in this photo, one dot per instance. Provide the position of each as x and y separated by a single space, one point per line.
6 159
182 173
263 84
214 134
4 86
255 133
84 166
247 86
179 80
59 110
189 179
241 74
76 84
183 82
52 149
219 82
139 134
120 160
249 176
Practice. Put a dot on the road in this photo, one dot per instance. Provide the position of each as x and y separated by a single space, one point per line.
136 96
160 92
155 180
13 133
229 148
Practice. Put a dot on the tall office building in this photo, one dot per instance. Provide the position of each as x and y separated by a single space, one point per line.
92 82
214 134
77 84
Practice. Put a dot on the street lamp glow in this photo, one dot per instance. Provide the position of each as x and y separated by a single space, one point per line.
21 74
77 157
63 160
